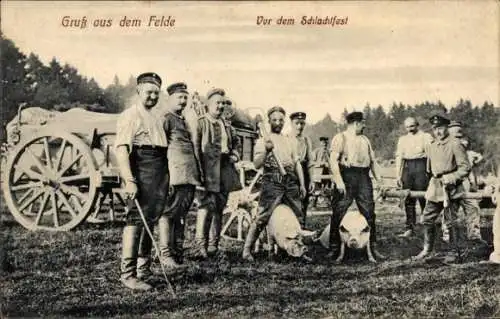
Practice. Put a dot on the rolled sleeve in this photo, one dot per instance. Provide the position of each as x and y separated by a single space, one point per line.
336 147
125 130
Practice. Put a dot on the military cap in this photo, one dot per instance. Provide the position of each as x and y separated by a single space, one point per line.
438 120
323 138
298 116
213 92
276 109
176 88
149 77
354 117
455 124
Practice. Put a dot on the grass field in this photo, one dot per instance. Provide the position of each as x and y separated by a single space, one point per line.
76 274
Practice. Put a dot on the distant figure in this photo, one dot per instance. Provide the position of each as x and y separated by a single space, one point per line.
298 120
321 160
411 160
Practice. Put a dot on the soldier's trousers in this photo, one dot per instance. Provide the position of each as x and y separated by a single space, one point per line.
414 178
149 168
359 188
277 189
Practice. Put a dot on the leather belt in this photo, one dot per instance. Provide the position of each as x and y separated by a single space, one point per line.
150 147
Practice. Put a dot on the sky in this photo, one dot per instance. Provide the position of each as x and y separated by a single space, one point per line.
386 52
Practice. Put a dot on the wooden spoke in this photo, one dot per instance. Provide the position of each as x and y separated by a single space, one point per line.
73 178
31 200
25 186
61 173
66 203
60 156
42 208
47 152
37 162
30 173
54 208
25 195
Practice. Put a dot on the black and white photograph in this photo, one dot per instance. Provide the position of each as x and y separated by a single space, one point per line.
250 159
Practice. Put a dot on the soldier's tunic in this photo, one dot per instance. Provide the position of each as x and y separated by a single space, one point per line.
143 133
305 156
277 189
355 156
445 157
183 168
214 142
411 149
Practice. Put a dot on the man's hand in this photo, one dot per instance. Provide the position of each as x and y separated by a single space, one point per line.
399 181
269 146
233 158
340 187
303 191
311 188
130 190
448 179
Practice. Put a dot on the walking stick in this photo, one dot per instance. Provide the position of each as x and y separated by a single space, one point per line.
157 248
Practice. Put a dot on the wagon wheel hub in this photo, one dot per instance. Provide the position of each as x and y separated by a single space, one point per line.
52 183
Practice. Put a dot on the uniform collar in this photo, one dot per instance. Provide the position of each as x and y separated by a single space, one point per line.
444 141
175 114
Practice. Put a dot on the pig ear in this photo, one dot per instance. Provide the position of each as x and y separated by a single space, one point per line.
366 229
293 237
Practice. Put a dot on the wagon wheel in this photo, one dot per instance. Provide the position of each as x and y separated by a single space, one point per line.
237 219
51 181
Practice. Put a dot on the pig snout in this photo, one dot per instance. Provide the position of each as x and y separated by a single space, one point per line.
296 249
353 243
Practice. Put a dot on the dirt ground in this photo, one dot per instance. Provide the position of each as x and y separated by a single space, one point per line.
72 274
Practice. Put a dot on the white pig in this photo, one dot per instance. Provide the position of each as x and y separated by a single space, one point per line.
285 232
354 233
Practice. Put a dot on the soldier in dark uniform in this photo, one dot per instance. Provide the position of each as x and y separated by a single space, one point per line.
298 120
276 189
448 165
141 152
351 160
184 175
216 148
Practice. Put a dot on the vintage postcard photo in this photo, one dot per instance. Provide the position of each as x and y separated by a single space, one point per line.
301 159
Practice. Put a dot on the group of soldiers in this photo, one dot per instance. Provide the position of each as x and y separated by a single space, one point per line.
162 161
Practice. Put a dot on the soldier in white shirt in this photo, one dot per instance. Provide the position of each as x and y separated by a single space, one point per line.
351 160
411 160
141 153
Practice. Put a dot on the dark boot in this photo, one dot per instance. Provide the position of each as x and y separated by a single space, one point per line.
429 239
253 234
214 234
144 259
128 267
166 243
202 228
334 240
456 254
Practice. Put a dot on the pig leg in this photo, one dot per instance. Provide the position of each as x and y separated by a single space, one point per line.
370 253
340 258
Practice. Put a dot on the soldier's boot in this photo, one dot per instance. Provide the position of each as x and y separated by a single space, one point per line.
456 254
202 228
214 235
166 243
429 240
373 242
128 267
253 234
179 227
144 259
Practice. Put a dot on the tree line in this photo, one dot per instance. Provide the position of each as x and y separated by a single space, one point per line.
25 79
